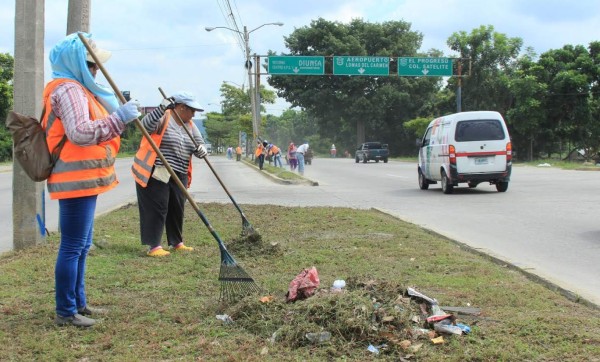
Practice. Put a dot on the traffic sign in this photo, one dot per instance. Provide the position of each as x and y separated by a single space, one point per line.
359 65
299 65
419 67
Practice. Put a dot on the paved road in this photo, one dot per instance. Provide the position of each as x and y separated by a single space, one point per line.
545 224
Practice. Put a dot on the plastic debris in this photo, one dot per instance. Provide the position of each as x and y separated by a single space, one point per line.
303 285
438 340
413 293
373 349
339 284
446 327
465 328
225 318
319 337
267 299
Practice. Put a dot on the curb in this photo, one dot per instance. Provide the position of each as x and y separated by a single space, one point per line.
570 295
279 180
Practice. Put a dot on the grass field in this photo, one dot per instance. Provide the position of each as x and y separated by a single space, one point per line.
165 309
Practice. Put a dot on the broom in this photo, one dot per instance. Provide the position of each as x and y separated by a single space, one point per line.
247 229
235 282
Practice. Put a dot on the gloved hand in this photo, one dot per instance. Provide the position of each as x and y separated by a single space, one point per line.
201 151
167 103
129 111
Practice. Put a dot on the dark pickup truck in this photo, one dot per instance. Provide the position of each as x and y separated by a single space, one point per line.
372 151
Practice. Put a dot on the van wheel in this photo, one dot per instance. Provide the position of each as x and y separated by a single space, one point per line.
385 160
356 159
365 159
502 186
472 184
423 183
447 187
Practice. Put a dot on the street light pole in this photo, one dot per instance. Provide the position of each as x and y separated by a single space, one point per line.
253 93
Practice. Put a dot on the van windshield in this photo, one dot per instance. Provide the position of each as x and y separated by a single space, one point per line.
479 130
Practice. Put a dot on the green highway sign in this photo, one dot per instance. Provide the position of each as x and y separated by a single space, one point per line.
361 65
300 65
420 67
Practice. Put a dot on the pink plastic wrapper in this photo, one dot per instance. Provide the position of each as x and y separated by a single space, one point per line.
303 285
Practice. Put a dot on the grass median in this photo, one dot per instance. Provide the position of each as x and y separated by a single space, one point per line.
165 309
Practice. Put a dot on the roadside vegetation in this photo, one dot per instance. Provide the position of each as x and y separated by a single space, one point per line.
165 309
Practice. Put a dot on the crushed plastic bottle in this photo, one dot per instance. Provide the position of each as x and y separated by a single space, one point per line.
319 337
443 327
373 349
465 328
226 319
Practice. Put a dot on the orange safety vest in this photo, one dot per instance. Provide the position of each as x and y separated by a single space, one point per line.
80 170
259 150
143 162
238 150
274 150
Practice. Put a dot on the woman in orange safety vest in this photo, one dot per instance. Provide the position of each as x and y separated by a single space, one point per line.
90 118
160 200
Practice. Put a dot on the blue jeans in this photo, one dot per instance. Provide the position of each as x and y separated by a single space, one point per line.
77 226
300 157
276 159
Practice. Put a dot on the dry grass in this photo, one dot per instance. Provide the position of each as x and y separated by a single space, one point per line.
164 309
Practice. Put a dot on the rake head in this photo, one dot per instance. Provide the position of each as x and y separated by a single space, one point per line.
247 229
235 282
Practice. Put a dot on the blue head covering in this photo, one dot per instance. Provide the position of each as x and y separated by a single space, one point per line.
68 60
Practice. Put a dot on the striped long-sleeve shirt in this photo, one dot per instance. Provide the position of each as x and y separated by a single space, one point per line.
70 104
176 145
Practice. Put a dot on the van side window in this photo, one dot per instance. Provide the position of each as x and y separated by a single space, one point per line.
426 138
479 130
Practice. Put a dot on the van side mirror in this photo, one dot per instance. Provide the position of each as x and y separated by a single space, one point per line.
418 142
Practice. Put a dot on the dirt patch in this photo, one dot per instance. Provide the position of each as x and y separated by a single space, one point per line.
252 245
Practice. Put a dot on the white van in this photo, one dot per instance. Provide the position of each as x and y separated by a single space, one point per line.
466 147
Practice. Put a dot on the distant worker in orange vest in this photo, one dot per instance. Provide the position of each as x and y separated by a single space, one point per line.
90 117
259 154
238 153
275 153
160 200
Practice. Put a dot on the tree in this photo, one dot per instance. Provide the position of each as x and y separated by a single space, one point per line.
570 74
528 113
492 55
348 107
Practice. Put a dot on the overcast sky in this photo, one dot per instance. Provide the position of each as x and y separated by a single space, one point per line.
163 43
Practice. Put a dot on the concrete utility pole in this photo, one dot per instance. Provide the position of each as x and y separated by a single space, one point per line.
78 18
253 105
28 196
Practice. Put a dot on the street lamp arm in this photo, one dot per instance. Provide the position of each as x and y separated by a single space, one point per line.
211 28
258 27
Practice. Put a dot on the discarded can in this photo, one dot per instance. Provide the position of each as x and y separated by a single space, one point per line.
319 337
